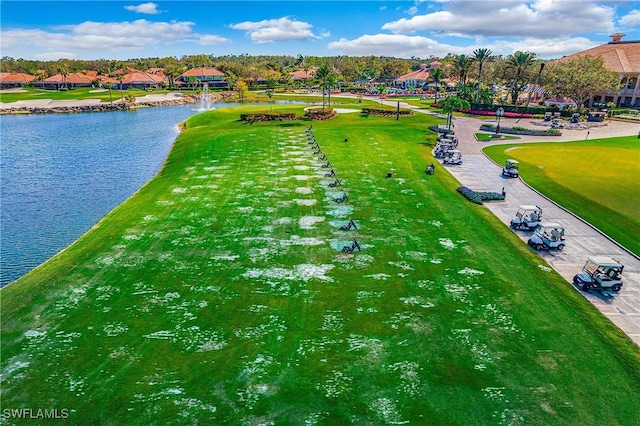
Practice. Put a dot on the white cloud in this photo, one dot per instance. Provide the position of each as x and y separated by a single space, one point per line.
54 56
519 18
631 20
397 45
146 8
208 40
405 46
107 36
282 29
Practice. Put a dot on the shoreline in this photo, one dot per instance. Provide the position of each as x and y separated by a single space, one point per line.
49 106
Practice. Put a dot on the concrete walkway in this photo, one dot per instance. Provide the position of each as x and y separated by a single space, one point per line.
582 240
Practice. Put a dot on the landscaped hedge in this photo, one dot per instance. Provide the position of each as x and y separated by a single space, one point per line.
479 197
268 116
520 130
386 112
319 113
507 114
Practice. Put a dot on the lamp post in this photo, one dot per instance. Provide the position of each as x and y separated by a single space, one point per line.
499 113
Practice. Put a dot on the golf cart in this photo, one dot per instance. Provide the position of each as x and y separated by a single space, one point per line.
442 148
600 273
547 236
527 217
510 168
453 156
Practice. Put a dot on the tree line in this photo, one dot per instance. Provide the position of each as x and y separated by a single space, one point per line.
476 75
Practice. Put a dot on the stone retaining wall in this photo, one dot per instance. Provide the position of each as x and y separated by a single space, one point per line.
101 107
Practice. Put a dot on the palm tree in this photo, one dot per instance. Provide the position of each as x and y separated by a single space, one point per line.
451 103
481 56
63 73
322 74
519 61
436 75
461 66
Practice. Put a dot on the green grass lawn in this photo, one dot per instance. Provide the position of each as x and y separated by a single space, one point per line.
492 137
597 180
219 294
77 93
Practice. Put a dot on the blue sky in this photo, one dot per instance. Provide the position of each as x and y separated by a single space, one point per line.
405 29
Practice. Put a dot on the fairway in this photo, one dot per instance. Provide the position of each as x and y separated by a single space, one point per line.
220 294
598 180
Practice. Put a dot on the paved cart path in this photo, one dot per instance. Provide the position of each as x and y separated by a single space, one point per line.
479 173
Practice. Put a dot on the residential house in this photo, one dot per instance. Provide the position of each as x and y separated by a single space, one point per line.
71 80
414 80
213 77
305 74
623 57
141 80
15 79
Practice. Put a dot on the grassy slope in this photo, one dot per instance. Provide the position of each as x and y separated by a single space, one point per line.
597 180
444 316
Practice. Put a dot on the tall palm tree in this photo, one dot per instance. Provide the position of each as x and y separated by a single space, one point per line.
519 62
451 103
480 56
63 73
462 65
322 74
436 75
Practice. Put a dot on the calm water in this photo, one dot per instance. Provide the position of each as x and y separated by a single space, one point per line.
61 173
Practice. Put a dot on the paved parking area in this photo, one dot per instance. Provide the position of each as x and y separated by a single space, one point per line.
582 240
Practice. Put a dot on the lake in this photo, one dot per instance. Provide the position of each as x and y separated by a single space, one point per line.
61 173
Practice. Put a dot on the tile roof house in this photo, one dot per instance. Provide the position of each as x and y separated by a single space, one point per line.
73 79
415 79
141 80
15 79
211 76
622 57
304 74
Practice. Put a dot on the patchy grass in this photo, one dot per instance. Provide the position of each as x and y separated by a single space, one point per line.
597 180
219 294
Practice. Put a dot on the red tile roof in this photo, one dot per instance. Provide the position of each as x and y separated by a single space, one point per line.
302 74
201 72
622 57
16 77
71 78
142 78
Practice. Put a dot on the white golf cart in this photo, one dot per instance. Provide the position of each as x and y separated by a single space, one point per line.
527 217
510 168
547 236
453 156
442 148
600 273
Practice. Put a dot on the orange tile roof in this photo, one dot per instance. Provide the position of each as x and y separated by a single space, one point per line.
201 71
16 77
302 74
71 78
622 57
421 74
141 78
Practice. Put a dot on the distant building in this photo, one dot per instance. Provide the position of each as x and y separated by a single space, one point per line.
142 80
623 57
416 79
213 77
302 75
15 79
71 80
